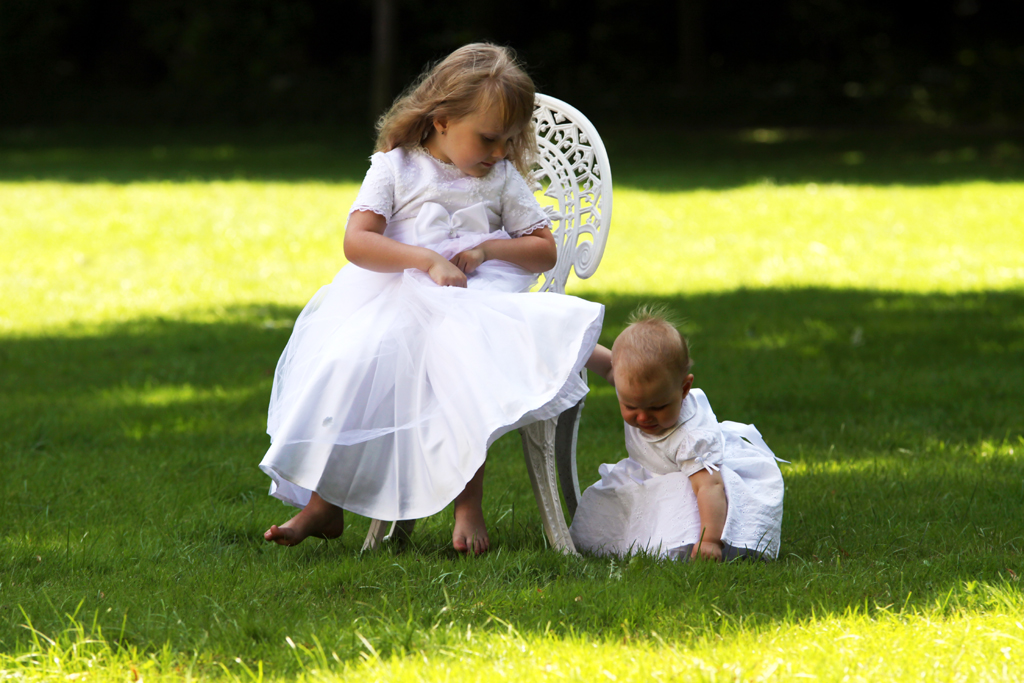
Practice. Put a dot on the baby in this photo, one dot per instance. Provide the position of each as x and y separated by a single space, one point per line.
691 486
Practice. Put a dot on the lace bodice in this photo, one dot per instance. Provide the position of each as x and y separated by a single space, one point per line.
401 181
696 442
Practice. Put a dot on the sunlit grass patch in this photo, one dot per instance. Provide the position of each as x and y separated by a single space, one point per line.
164 396
944 238
882 647
944 642
170 248
163 248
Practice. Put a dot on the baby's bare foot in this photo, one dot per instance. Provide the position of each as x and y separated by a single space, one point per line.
319 518
470 534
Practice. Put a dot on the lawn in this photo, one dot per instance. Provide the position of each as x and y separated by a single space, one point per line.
859 296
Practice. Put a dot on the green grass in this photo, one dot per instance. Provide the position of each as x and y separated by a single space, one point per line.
859 297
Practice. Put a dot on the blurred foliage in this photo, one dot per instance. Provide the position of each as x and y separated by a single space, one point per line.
780 62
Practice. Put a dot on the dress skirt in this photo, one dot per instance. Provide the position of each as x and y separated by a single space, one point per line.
392 388
631 510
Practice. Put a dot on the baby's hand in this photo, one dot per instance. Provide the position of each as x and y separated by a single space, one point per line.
446 274
469 260
707 550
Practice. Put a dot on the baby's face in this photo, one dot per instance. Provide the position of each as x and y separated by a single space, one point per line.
652 406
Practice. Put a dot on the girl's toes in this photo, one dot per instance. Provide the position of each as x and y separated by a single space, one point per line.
280 535
459 543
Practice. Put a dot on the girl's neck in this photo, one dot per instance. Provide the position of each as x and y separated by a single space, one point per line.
431 147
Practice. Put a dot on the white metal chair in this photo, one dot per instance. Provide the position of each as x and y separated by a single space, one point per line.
574 173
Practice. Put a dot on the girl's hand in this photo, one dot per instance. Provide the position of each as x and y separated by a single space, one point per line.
536 252
469 260
446 274
707 550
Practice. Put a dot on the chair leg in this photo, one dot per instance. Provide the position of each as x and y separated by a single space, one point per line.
399 532
375 535
539 451
565 455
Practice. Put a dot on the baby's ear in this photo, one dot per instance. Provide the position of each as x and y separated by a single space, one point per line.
687 384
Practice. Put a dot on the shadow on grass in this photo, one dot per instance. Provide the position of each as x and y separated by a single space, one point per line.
657 160
900 414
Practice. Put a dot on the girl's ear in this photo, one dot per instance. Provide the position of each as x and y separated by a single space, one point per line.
441 125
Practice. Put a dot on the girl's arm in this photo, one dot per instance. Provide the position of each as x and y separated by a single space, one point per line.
367 247
712 506
601 363
535 252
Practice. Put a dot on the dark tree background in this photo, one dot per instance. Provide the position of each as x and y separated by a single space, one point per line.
692 62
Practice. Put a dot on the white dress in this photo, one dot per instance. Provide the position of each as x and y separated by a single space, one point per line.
391 387
645 503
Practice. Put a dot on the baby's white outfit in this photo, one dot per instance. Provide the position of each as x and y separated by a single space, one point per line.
391 387
646 502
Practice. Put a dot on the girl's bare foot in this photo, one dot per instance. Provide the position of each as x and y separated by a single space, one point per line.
470 533
319 518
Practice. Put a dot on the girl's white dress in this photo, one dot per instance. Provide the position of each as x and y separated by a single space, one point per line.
392 388
646 503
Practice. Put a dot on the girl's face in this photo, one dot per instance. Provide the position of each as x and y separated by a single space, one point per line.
652 406
474 143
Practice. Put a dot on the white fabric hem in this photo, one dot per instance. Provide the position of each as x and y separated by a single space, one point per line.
532 229
371 209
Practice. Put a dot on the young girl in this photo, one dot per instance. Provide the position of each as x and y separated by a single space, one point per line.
691 486
426 348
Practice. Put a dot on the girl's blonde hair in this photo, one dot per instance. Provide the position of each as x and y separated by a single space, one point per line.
473 78
651 346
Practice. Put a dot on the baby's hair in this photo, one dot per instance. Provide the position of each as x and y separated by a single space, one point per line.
473 78
652 345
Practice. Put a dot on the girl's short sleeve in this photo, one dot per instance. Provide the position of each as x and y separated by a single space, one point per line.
701 448
520 212
377 193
